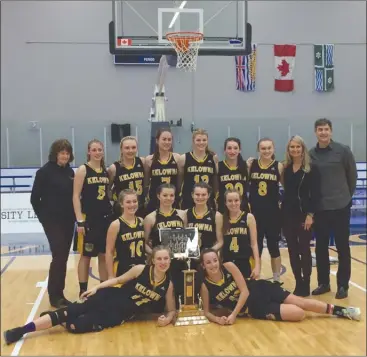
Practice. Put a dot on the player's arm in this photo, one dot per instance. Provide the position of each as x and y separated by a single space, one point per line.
280 168
218 230
181 170
147 166
77 189
110 246
164 320
204 293
148 222
216 179
131 274
251 223
177 158
183 216
111 176
242 286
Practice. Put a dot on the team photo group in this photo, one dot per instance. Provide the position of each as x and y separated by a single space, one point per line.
116 212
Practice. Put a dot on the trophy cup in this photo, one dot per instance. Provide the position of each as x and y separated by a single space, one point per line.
184 244
190 313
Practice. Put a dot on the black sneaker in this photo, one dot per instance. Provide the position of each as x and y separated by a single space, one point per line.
321 289
59 303
342 293
13 335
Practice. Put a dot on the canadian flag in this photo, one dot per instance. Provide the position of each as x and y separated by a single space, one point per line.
124 41
285 57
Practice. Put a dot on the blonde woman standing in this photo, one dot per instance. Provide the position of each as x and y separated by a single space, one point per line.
301 192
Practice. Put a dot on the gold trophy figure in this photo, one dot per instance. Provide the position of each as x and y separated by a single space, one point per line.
190 313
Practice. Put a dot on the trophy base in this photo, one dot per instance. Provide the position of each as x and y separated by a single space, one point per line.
190 317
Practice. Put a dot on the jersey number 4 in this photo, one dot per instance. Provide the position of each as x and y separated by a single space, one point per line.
234 247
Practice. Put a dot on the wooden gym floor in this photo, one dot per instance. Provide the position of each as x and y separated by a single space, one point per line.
24 295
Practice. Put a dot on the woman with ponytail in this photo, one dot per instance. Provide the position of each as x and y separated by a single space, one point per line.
125 238
127 173
93 212
161 167
232 174
201 164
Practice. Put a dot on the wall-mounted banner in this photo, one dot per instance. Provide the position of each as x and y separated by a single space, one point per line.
17 215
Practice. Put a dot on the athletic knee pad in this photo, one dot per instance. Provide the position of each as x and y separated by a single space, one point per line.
57 317
83 325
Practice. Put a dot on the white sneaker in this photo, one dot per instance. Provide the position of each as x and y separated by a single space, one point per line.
352 313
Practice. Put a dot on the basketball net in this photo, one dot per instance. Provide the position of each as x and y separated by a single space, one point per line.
186 45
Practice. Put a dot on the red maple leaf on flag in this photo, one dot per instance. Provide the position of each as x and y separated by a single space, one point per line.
283 68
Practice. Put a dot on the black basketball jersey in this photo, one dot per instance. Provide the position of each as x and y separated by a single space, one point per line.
224 292
205 225
236 240
230 178
144 291
130 178
172 221
264 186
130 243
162 172
195 171
94 198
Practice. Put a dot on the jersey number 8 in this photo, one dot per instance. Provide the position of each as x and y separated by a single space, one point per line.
263 188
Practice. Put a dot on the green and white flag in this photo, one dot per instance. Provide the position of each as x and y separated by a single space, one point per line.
324 67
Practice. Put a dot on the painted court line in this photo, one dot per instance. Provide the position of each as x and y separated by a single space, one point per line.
32 314
7 265
351 282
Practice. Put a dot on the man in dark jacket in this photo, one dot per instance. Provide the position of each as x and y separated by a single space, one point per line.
52 202
338 172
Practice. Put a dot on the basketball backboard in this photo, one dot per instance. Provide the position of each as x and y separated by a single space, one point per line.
140 27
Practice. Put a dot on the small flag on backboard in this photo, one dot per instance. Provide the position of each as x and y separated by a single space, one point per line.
124 42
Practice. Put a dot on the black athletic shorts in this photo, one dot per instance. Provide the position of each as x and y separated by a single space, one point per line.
265 299
109 307
94 241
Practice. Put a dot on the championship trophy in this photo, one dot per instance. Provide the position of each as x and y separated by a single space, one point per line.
184 244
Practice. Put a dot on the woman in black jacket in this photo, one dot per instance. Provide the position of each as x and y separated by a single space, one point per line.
301 191
52 202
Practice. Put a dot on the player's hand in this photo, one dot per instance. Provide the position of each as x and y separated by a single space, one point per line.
163 321
231 319
249 161
308 223
222 320
81 230
88 293
255 274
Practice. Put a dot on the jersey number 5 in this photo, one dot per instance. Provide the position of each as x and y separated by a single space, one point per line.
136 249
101 192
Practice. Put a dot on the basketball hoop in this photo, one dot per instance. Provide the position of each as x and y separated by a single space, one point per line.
187 46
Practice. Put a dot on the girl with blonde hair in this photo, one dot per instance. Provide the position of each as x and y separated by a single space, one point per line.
301 191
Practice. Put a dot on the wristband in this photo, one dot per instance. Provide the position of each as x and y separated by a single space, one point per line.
80 223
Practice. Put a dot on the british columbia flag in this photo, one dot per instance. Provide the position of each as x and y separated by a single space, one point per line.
246 71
